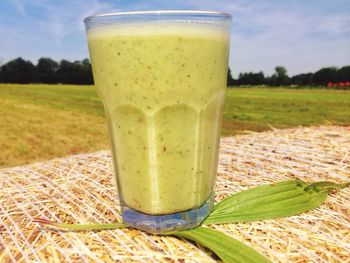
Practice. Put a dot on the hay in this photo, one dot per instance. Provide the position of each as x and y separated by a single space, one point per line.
79 189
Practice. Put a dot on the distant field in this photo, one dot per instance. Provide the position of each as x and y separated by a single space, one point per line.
44 121
258 109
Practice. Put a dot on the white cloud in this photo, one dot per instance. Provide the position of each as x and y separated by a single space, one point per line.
333 24
64 18
269 33
46 29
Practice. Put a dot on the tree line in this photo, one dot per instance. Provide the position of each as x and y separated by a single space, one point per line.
49 71
46 70
322 77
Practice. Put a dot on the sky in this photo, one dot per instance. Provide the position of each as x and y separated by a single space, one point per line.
301 35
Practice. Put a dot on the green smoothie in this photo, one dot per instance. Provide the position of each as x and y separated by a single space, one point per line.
163 87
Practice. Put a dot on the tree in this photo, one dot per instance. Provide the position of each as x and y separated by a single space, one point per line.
18 71
280 77
325 75
230 80
86 72
251 78
67 72
78 72
46 70
343 74
302 79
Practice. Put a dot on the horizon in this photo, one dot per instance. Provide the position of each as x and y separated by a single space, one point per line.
301 36
234 77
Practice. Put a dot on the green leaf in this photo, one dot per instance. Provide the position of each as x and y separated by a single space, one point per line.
272 201
225 247
258 192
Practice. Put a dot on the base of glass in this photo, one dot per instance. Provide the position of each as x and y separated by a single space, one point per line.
161 224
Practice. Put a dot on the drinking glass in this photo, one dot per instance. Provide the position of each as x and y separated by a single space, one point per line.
162 76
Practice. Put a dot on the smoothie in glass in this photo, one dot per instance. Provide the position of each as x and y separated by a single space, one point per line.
162 84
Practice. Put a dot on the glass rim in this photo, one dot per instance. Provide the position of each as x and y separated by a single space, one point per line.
161 12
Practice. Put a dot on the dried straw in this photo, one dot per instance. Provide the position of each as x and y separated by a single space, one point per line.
79 189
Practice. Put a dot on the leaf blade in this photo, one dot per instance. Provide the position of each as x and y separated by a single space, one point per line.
225 247
283 199
264 214
260 191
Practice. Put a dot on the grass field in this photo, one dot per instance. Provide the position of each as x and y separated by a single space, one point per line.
258 109
44 121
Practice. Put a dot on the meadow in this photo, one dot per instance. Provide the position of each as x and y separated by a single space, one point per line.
39 122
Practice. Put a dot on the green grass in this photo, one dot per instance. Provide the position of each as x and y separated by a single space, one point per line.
44 121
258 109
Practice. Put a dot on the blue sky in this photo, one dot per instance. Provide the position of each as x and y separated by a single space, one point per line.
301 35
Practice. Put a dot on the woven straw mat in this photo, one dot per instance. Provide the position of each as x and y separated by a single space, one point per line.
79 189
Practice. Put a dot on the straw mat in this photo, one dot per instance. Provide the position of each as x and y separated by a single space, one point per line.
79 189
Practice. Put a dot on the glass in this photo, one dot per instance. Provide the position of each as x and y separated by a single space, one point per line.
162 76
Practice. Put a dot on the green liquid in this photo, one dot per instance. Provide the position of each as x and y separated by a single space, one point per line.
163 86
